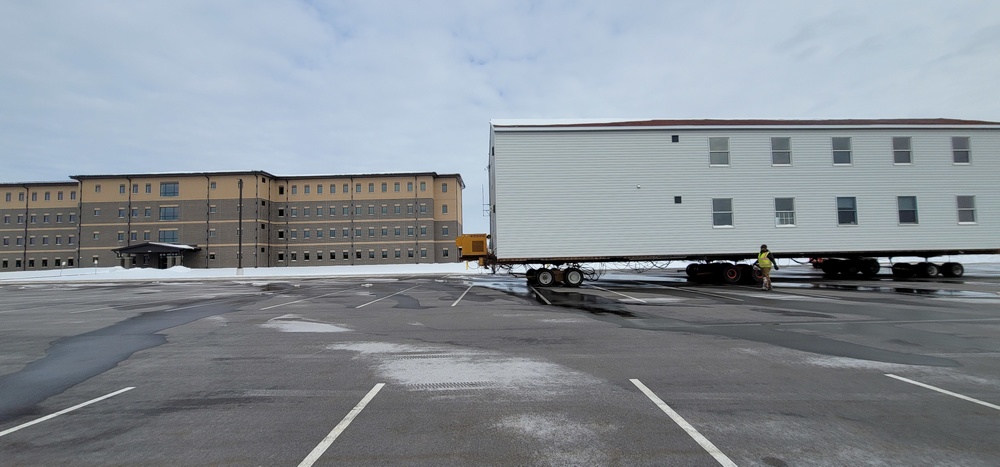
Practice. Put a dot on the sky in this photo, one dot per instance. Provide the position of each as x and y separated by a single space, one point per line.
380 86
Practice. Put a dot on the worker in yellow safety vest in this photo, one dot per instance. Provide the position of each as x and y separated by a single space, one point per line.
765 261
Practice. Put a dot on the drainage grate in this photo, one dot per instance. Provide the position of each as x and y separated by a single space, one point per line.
452 386
288 393
422 356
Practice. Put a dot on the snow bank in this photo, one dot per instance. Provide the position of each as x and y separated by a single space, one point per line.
184 273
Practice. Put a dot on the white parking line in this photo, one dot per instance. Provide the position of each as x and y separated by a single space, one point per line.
92 309
944 391
385 297
64 411
463 295
704 442
337 430
547 302
618 293
303 300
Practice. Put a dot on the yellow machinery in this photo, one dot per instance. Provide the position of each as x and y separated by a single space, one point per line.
473 247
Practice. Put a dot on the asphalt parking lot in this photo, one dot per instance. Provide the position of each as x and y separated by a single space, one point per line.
632 369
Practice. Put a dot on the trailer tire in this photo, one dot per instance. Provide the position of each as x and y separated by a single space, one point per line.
851 268
927 269
692 270
531 274
749 275
573 277
544 277
730 274
952 270
869 267
831 267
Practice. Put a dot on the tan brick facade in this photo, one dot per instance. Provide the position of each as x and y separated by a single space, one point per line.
287 221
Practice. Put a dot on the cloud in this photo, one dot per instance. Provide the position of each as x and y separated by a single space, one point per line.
296 87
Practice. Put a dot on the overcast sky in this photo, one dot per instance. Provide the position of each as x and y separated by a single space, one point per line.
339 87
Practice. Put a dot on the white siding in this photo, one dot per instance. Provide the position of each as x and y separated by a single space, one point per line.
600 193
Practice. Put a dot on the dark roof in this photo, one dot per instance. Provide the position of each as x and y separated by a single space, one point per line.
37 184
174 174
752 122
155 247
369 175
266 174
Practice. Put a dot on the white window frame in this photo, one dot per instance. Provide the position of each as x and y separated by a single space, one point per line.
899 210
716 211
715 151
849 150
775 151
898 150
853 210
969 208
784 218
956 150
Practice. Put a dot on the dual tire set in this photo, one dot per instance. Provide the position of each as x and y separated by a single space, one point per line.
864 267
927 269
545 277
725 273
869 267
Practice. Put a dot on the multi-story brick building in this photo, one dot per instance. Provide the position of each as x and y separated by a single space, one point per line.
40 228
297 220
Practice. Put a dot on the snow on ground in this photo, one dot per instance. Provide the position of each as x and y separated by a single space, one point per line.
180 273
116 274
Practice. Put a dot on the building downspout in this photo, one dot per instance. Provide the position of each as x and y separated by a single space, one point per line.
256 217
267 232
353 253
239 232
24 245
208 217
126 260
287 226
128 214
79 224
416 222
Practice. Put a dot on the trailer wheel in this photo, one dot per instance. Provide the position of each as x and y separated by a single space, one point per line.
831 267
730 273
927 269
531 274
749 275
692 270
544 277
952 270
870 267
573 277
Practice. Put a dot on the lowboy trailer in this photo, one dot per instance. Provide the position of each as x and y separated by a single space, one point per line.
844 193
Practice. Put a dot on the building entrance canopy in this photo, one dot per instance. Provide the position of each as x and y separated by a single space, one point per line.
154 254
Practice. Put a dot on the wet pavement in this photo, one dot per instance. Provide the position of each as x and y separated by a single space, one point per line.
486 370
868 321
72 360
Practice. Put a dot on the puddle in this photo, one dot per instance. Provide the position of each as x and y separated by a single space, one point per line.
72 360
898 290
616 311
593 304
